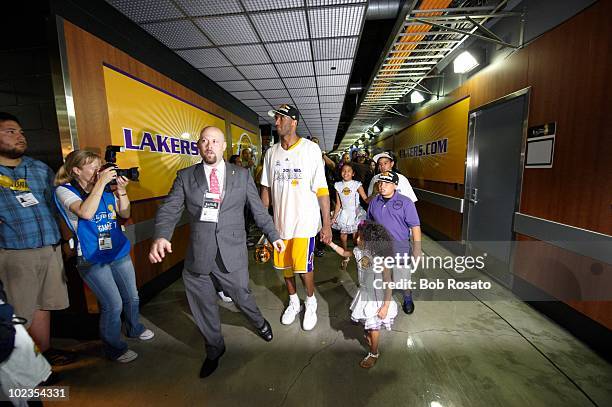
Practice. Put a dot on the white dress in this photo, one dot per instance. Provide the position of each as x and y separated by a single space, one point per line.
351 213
369 298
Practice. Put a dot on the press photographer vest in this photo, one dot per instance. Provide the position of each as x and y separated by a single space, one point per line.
103 222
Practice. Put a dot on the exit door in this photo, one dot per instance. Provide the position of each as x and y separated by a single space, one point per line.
496 146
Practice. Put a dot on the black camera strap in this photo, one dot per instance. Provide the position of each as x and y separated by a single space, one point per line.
79 188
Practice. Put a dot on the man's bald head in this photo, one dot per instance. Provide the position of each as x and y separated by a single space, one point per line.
211 144
211 130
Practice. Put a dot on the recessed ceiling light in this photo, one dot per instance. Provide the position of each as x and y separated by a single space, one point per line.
464 62
416 97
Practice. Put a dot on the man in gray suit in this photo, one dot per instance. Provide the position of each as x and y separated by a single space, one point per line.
214 193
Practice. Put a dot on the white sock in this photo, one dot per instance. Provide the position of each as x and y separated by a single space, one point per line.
294 299
311 300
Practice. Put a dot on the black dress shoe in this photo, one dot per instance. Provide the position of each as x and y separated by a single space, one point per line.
265 331
210 365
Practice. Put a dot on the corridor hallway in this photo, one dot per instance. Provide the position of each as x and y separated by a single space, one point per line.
448 353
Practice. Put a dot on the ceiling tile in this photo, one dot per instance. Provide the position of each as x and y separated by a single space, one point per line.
279 101
303 82
336 105
258 71
307 105
232 86
275 93
336 21
289 51
246 54
226 73
204 57
331 111
227 30
177 34
199 8
259 5
306 100
256 102
246 95
331 99
281 25
332 80
332 90
303 92
334 48
340 67
147 10
312 3
293 69
262 84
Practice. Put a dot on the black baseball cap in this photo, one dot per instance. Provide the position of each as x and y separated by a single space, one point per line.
285 110
389 176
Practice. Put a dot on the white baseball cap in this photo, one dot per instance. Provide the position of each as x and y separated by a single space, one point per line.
382 155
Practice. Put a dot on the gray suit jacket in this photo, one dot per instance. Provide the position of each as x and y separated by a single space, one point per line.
228 236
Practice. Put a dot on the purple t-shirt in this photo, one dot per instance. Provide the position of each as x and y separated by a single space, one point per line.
397 216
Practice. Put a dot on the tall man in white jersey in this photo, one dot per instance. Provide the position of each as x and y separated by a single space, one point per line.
293 182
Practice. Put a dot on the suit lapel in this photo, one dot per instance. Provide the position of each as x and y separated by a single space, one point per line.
200 177
228 182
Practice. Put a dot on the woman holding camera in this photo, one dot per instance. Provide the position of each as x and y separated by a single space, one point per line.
90 207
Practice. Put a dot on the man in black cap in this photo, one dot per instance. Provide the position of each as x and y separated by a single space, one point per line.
293 181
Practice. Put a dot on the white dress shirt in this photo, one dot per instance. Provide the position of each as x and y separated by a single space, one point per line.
220 174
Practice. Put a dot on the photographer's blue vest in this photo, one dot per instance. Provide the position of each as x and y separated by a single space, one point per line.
88 231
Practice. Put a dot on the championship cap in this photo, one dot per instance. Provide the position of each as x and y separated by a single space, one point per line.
285 110
389 176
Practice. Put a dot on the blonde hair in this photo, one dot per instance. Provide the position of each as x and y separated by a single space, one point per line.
76 159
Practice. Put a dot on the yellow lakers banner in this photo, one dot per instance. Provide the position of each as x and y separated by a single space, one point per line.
158 130
434 149
243 139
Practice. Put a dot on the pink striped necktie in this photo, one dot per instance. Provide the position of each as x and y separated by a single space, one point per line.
214 183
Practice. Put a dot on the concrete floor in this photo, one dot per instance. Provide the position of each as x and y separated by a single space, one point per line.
448 353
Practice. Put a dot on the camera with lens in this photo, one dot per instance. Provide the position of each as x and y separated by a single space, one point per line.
111 158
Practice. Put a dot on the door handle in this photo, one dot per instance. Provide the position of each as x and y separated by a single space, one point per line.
474 198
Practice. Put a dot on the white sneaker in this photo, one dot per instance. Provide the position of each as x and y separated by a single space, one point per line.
127 357
310 316
224 297
146 335
290 313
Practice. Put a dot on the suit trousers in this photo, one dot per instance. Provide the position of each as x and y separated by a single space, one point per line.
202 298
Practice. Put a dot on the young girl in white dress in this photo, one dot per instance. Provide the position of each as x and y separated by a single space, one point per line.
373 306
348 213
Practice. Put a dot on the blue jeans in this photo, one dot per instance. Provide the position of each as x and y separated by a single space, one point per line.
114 284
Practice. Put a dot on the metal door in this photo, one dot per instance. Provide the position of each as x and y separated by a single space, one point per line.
495 156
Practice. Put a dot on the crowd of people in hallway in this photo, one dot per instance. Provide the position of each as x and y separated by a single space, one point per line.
288 195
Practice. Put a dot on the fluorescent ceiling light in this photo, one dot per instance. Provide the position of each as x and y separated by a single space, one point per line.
464 62
416 97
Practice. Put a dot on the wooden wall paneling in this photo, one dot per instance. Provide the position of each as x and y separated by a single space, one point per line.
578 189
140 256
566 276
442 220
